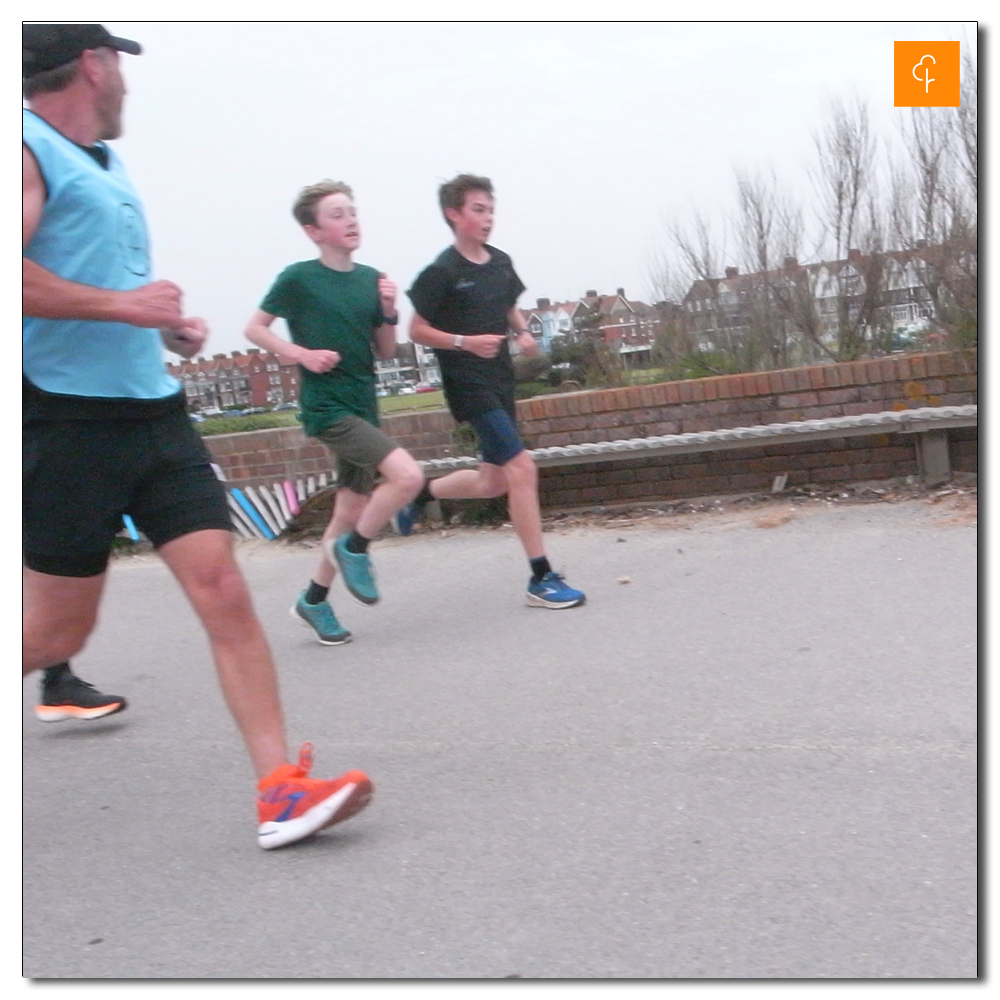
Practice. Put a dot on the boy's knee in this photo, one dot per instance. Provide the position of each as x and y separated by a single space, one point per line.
492 483
521 471
410 480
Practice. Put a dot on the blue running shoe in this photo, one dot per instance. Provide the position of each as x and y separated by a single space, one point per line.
552 592
406 517
321 619
357 570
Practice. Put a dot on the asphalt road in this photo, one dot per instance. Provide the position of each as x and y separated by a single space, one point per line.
756 758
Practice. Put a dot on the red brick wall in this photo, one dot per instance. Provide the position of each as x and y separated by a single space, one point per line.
895 383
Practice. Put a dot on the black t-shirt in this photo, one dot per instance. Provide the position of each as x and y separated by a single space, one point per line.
458 296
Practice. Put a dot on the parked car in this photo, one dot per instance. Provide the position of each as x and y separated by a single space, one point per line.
211 411
426 388
407 390
286 406
197 418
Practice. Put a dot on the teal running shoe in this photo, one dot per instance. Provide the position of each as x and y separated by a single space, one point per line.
357 570
321 619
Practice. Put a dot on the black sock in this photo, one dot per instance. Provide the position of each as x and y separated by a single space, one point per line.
55 672
315 594
539 567
356 542
425 496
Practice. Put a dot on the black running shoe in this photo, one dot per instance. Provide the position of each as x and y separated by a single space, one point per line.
65 696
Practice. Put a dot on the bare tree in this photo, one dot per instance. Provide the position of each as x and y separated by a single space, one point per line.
935 206
769 233
844 174
694 342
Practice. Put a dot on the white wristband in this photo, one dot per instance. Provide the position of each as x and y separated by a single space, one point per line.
459 340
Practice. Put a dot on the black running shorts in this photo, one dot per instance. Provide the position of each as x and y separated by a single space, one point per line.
81 476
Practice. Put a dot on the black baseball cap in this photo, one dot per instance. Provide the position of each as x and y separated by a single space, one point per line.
47 46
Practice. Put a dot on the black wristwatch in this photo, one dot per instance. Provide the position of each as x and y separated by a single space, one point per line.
390 322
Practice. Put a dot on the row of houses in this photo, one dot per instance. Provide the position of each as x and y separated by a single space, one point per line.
892 295
882 300
258 379
626 325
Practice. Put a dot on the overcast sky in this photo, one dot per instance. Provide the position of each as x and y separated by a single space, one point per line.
593 134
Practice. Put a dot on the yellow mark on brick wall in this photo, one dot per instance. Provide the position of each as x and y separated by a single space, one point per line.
914 390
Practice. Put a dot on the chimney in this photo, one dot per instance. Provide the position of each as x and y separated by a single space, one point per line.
253 350
237 354
853 254
543 303
591 293
731 272
921 244
791 263
621 292
218 357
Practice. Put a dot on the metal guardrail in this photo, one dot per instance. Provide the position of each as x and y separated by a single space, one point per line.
265 511
917 421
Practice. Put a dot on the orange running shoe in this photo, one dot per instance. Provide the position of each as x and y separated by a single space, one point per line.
292 806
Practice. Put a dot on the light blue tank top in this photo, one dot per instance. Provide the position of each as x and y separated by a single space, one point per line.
92 231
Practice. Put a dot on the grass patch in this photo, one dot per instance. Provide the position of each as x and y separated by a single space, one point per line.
409 404
251 422
290 418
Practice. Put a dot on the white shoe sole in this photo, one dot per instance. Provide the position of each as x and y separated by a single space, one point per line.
294 612
533 601
324 814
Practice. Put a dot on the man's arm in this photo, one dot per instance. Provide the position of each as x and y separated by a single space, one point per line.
47 296
258 331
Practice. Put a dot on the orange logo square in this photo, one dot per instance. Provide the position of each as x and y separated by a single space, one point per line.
926 74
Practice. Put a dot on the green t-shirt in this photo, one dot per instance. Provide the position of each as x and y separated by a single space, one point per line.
333 311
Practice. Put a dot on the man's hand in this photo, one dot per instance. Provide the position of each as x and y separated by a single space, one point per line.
483 345
387 296
156 305
527 344
319 361
188 338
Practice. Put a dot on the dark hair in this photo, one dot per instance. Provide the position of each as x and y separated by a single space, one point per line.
50 81
452 193
304 208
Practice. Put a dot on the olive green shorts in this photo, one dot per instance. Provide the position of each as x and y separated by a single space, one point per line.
358 449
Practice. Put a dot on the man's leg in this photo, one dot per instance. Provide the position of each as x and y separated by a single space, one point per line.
291 805
60 612
205 566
